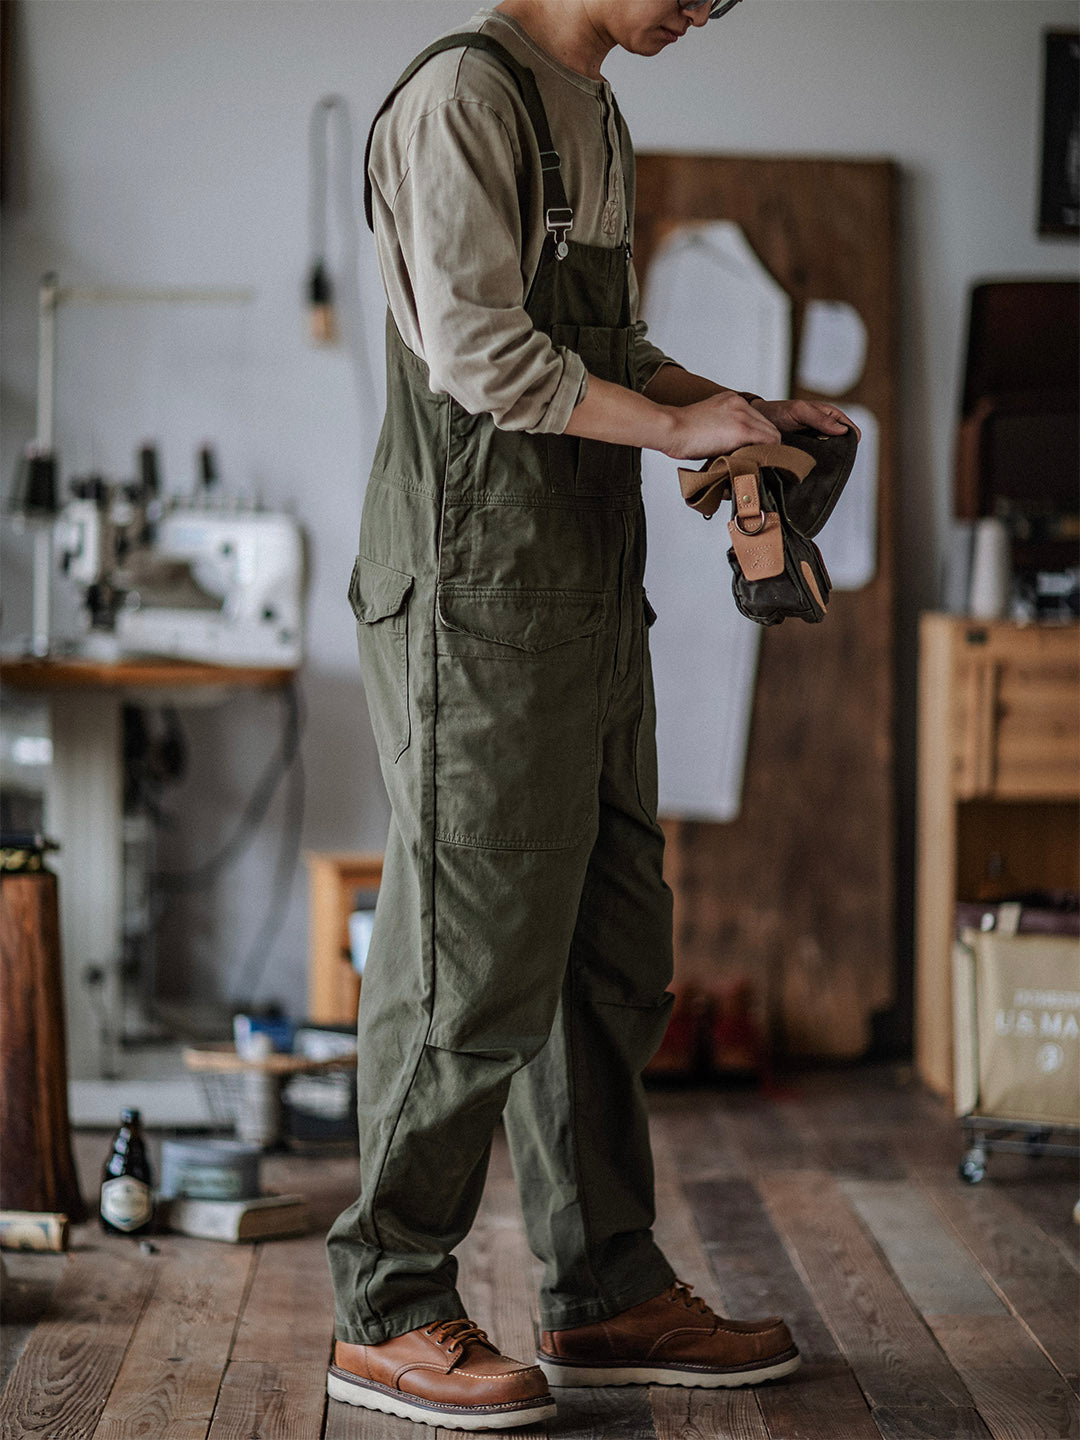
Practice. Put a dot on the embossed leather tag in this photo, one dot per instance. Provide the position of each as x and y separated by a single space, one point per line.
762 555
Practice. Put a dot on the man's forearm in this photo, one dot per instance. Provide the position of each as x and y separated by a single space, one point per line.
623 417
682 415
672 385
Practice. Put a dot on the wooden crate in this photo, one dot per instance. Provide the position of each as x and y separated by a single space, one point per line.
334 877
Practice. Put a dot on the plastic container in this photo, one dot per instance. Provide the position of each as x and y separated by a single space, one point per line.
209 1169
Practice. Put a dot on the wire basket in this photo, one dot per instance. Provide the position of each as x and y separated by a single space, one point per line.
245 1095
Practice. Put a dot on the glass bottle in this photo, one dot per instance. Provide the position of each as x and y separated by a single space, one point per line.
127 1196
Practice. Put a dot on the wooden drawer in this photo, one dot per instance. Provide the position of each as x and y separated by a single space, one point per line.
1016 712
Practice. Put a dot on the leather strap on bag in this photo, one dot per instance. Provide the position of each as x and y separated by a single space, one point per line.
706 488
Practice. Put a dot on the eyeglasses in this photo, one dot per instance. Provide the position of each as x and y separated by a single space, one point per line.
716 7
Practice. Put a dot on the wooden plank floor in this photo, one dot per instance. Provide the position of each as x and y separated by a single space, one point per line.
924 1309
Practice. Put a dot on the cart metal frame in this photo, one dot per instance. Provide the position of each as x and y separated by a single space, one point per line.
984 1134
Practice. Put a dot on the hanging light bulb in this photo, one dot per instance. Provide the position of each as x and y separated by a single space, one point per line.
322 321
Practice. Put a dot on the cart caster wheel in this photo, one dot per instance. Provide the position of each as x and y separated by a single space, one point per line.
972 1167
1036 1142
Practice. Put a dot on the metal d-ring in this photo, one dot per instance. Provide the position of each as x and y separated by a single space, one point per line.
756 531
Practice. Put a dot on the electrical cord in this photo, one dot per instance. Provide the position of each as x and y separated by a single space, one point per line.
318 137
254 965
286 761
255 810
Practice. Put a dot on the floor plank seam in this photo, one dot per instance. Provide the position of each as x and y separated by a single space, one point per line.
256 1257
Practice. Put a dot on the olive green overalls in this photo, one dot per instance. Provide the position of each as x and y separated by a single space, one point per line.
522 941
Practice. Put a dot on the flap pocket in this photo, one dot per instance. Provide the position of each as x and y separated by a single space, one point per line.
531 620
376 591
606 350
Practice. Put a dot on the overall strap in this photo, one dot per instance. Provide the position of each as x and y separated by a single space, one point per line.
558 217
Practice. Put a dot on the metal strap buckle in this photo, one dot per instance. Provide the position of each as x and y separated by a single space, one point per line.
549 160
560 221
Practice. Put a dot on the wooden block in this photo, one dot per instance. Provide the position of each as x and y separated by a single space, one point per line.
33 1051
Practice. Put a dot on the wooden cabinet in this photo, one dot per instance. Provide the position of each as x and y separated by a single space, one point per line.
334 878
999 781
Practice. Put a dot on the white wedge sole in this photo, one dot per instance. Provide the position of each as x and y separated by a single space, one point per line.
560 1375
357 1392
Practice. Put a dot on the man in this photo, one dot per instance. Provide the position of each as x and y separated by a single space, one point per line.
522 943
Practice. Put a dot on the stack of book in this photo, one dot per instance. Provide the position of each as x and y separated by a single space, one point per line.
265 1217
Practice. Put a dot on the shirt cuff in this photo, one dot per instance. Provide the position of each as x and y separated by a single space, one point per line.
569 392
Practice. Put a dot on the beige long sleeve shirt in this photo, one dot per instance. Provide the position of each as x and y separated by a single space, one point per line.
457 202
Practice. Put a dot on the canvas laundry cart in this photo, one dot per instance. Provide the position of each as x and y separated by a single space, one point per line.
1017 1037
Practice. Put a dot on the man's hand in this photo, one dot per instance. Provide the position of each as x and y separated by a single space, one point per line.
716 426
687 417
806 415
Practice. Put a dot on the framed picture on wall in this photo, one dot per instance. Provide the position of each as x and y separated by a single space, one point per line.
1059 192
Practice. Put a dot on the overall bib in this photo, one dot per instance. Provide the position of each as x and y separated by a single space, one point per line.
522 941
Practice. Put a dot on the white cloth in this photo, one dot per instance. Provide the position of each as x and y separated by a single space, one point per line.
848 543
710 301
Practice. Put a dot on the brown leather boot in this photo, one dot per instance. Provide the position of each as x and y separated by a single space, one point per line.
447 1373
673 1339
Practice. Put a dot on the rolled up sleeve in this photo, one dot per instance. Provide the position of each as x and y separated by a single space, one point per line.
457 221
647 357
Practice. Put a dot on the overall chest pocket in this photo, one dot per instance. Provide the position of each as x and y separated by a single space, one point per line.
378 596
595 467
516 717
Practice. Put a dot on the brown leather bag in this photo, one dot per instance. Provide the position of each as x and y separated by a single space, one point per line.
781 497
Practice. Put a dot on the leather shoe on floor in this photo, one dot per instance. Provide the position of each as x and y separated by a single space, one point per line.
447 1373
673 1339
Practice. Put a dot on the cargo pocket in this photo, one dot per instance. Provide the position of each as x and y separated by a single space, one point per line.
516 717
645 764
595 467
378 598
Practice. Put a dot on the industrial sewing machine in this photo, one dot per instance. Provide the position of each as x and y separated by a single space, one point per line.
195 578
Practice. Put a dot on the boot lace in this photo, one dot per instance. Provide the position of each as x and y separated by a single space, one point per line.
456 1334
682 1294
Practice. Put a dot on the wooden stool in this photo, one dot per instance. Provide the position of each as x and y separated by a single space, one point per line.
38 1171
334 877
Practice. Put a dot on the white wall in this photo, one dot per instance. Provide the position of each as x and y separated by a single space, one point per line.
165 142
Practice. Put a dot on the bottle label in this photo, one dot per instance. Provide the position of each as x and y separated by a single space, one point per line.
126 1202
